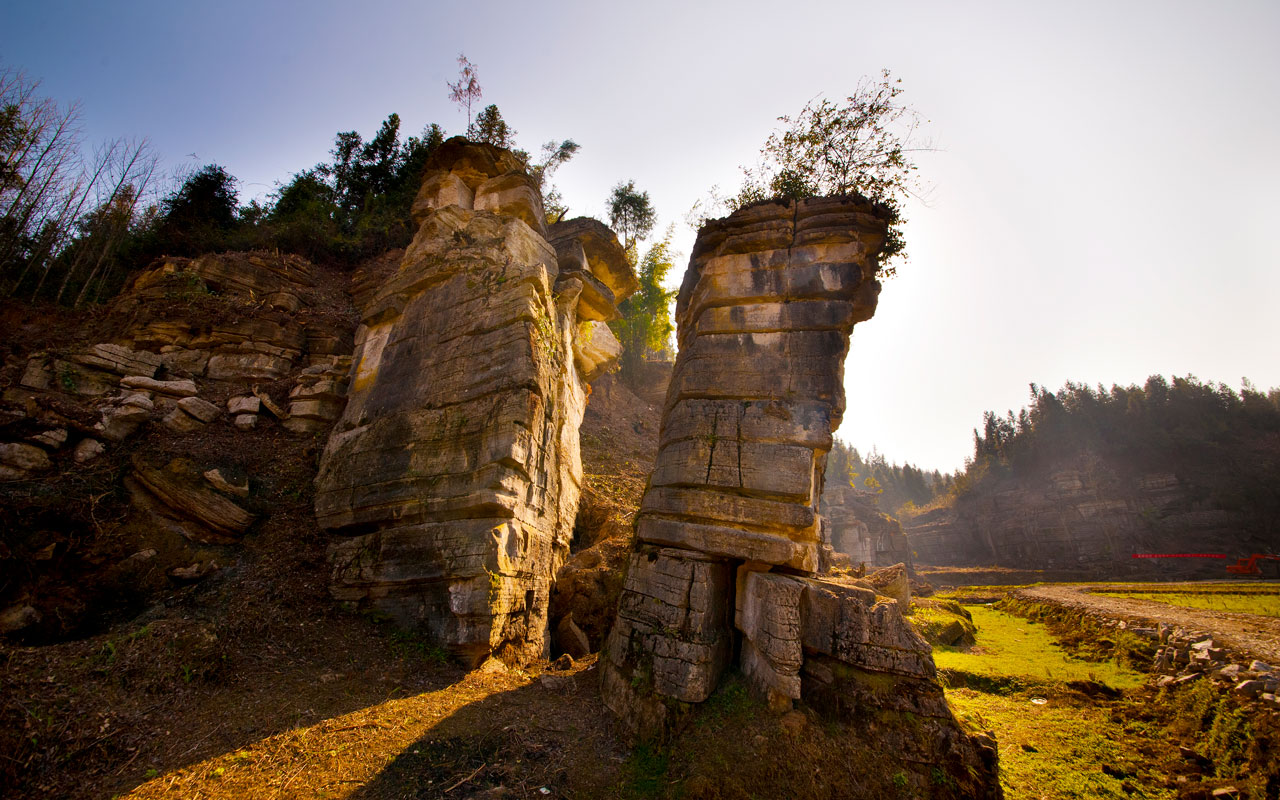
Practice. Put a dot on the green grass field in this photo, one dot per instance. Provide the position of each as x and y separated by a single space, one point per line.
1012 651
1053 742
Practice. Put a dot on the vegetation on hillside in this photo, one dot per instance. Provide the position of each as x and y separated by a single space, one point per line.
645 327
898 489
75 225
1222 443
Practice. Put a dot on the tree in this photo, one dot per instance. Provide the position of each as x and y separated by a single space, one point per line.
645 326
631 215
196 217
491 128
467 88
380 159
863 146
553 156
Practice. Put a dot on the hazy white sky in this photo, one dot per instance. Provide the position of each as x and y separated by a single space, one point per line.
1105 193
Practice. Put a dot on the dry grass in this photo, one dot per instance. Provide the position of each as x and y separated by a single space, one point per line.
487 730
1262 599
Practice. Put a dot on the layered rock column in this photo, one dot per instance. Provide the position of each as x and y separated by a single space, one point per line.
728 535
454 472
764 317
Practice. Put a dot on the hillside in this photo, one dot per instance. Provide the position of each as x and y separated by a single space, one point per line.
279 528
1083 479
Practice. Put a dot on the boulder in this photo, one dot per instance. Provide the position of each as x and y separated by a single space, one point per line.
180 499
202 410
120 360
51 439
892 582
179 421
119 422
244 405
571 640
87 450
18 618
182 388
21 459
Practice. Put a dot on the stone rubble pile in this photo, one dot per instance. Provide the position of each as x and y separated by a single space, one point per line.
1189 655
190 342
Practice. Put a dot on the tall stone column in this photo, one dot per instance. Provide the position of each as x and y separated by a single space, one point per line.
728 536
764 316
453 476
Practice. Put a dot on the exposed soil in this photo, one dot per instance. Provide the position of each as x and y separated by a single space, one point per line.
1256 635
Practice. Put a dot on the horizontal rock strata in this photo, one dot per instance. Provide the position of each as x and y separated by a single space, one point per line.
859 533
1089 515
729 538
453 473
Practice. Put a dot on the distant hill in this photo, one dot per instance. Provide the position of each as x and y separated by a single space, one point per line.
1083 478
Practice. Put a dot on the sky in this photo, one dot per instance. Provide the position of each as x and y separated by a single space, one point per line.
1104 188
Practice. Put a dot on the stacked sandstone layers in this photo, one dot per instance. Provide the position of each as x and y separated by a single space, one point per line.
728 534
454 471
859 532
768 303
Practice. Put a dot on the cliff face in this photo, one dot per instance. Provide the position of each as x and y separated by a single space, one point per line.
453 476
1087 515
140 447
859 531
728 537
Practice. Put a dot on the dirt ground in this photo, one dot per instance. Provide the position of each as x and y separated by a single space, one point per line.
1256 635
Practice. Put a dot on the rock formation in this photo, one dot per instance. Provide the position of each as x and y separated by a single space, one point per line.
161 396
1085 515
858 531
453 474
725 566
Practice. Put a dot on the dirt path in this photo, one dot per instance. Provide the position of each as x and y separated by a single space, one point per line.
1253 634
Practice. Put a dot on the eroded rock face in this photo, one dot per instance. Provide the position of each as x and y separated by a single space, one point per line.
859 532
729 534
454 472
1088 515
282 333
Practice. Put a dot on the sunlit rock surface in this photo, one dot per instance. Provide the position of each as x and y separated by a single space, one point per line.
861 534
727 559
454 473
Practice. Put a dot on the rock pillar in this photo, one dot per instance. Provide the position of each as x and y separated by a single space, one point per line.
728 535
453 474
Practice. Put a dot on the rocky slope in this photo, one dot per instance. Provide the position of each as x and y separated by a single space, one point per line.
1087 515
142 444
859 532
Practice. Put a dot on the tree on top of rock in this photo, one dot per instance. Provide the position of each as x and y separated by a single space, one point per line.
491 128
863 146
631 214
467 88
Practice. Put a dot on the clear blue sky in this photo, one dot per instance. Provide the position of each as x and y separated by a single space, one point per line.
1106 190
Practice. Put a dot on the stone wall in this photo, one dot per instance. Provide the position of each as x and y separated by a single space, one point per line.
729 538
454 473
